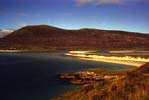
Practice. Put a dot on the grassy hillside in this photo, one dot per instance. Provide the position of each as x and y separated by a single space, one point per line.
43 37
134 86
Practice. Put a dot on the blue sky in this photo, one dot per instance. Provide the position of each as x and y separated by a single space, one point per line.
128 15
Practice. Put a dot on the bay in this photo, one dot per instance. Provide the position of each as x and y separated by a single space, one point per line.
33 75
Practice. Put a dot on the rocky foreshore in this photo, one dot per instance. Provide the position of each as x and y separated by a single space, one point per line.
87 77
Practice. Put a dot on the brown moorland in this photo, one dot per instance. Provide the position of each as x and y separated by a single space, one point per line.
44 37
134 86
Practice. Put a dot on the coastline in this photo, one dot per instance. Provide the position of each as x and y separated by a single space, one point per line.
132 63
135 62
82 55
3 51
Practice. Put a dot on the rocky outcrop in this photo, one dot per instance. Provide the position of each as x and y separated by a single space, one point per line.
86 77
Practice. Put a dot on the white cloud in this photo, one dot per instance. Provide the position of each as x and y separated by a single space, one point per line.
22 14
23 24
82 2
109 1
116 2
98 2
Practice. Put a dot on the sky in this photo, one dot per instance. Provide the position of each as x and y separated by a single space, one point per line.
127 15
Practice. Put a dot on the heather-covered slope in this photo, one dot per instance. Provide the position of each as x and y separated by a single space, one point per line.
134 86
144 68
43 37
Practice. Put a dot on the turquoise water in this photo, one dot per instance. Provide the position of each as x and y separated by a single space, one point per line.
32 75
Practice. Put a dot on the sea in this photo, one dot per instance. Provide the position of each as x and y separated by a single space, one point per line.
34 75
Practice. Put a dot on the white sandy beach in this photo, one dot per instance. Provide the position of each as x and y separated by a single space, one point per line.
119 60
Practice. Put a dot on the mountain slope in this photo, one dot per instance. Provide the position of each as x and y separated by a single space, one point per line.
3 33
47 37
134 86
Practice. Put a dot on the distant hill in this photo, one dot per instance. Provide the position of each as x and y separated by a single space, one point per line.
43 37
3 33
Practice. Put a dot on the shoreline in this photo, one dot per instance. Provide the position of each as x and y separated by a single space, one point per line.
89 77
82 55
1 51
5 51
134 62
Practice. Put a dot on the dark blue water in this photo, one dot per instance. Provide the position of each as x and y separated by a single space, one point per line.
32 75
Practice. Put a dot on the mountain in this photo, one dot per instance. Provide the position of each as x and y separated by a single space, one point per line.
3 33
44 37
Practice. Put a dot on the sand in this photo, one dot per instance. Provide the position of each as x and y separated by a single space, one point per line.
129 61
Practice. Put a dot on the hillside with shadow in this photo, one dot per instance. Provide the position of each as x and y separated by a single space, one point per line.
44 37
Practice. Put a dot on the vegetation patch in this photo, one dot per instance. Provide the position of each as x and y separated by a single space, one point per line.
133 86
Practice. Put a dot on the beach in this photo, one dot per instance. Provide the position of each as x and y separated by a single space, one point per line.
127 60
13 50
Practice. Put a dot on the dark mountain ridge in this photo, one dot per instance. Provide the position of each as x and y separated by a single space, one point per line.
44 37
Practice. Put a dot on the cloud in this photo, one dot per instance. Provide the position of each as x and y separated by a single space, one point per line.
23 24
116 2
68 14
98 2
109 2
22 14
83 2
